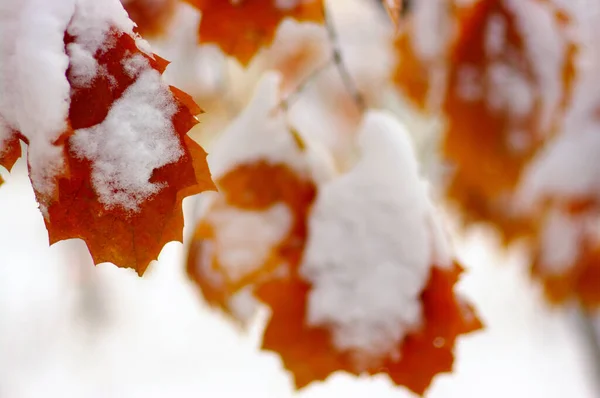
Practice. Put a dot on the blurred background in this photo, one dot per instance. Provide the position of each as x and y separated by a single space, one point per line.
69 329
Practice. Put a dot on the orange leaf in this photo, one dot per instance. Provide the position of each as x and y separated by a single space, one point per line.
117 175
125 237
251 187
241 28
225 241
499 108
310 355
576 276
10 149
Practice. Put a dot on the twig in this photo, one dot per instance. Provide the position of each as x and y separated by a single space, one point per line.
347 79
287 102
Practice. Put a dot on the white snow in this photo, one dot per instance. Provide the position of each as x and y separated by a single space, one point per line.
560 242
34 92
545 45
260 132
84 67
244 239
369 249
35 96
135 64
136 137
93 20
566 168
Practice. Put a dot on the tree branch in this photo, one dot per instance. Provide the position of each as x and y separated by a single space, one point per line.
347 79
287 102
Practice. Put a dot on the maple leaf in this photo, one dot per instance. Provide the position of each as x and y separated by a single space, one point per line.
500 106
241 28
267 238
507 90
122 167
308 352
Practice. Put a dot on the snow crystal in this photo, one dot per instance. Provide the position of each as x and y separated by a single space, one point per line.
134 65
94 19
84 67
136 137
370 245
260 132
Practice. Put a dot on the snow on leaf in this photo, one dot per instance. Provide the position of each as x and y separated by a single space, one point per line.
422 47
502 80
373 292
510 80
567 257
309 354
256 225
355 278
241 28
117 173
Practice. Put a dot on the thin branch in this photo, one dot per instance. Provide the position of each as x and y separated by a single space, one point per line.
288 101
347 79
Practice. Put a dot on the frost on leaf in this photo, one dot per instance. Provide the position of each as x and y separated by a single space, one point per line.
112 163
358 278
241 28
